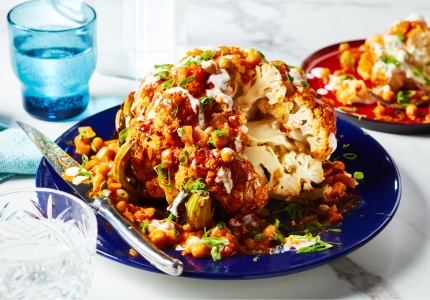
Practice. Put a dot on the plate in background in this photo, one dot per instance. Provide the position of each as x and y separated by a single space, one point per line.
328 57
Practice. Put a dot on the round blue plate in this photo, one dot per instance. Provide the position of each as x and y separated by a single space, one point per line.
380 190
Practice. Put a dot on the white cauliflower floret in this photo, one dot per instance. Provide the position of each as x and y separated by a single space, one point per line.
267 83
289 150
307 168
289 175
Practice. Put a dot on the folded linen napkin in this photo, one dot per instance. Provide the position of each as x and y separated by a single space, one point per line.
18 154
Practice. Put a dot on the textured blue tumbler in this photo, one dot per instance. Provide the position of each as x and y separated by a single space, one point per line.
53 53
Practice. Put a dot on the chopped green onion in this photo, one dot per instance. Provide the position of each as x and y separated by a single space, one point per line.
253 50
350 156
221 225
300 69
124 134
391 60
161 178
318 247
259 237
401 36
358 175
208 54
304 83
312 226
346 76
278 63
186 81
279 237
347 108
344 146
403 97
143 226
168 83
205 102
183 157
180 132
215 243
175 111
400 114
197 186
170 218
290 78
81 170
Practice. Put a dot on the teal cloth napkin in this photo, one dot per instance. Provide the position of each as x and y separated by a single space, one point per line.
18 154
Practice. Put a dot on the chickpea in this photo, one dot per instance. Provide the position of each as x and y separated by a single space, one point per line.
101 169
200 250
224 63
347 61
122 206
268 231
343 47
388 96
186 227
98 179
323 210
325 75
106 153
227 154
91 164
253 58
379 110
412 111
158 237
166 156
219 141
173 236
181 73
97 144
250 243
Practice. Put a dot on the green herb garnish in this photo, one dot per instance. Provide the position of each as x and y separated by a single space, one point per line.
183 157
143 226
123 135
187 80
161 169
205 101
358 175
350 156
253 50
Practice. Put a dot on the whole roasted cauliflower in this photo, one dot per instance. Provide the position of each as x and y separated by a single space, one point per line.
225 124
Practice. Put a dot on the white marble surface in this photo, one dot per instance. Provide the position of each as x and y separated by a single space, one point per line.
394 265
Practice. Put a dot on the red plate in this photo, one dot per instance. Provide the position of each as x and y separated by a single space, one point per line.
363 116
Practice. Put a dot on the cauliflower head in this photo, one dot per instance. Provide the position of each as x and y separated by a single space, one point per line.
226 122
398 58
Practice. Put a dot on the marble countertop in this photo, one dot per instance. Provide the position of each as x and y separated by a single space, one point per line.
393 265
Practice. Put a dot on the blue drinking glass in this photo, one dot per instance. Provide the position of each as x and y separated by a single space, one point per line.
53 54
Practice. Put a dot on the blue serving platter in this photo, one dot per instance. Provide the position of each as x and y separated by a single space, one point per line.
380 190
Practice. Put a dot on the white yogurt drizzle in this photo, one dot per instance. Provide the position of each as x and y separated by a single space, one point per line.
220 84
224 176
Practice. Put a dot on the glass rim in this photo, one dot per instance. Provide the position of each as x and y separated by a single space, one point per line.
89 213
49 190
26 28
